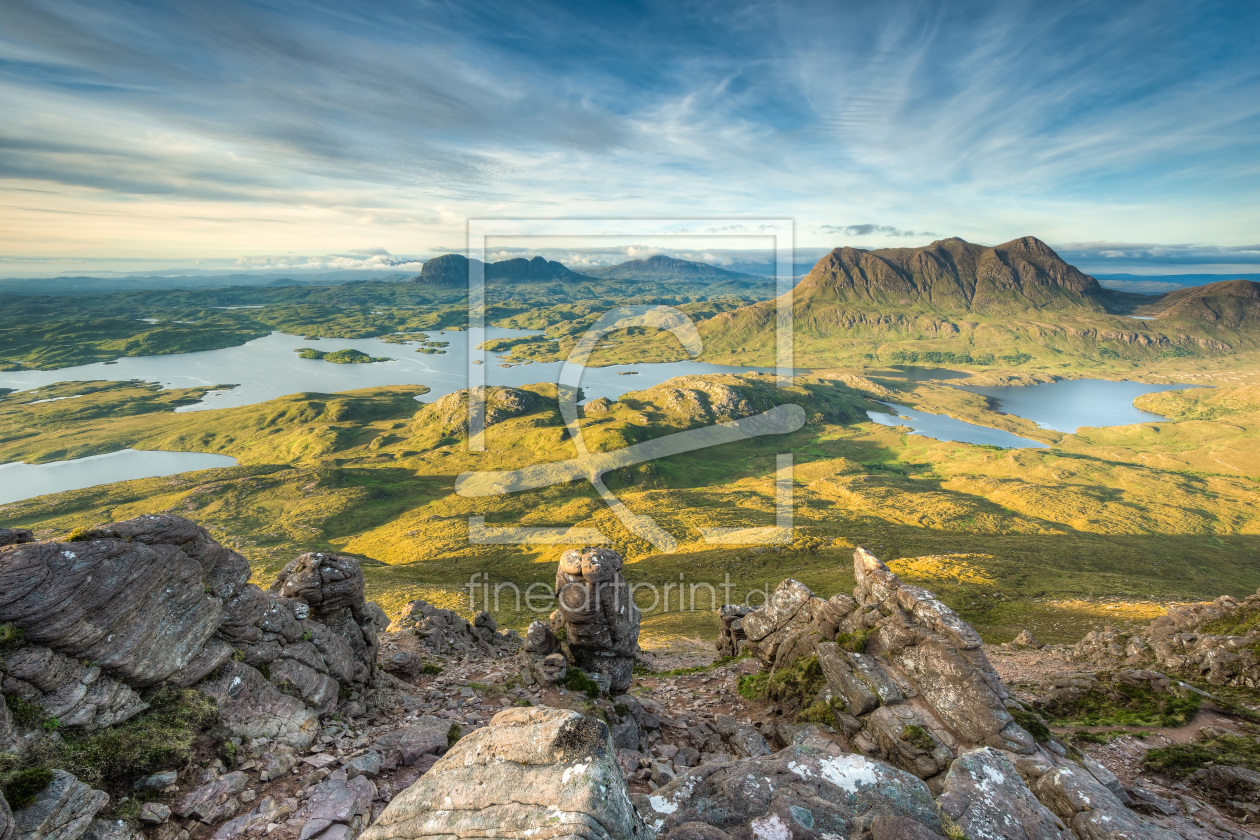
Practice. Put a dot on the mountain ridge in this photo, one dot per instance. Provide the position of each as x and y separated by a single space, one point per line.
662 267
451 271
953 275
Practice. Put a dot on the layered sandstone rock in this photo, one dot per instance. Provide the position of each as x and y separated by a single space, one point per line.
598 615
62 811
533 773
1215 641
909 683
155 599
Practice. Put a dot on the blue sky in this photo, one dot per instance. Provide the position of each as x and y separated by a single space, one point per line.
148 135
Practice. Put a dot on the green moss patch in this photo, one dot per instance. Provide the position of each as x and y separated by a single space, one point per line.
752 686
918 736
854 642
1183 759
576 680
161 738
800 681
1124 705
820 713
1032 724
24 714
11 638
21 787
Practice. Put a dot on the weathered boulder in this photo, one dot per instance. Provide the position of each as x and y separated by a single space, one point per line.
428 736
252 707
1215 639
6 820
598 614
910 684
531 773
810 789
337 809
542 660
331 585
900 828
788 613
111 830
988 800
156 599
61 811
1026 639
214 801
15 536
906 739
731 637
154 813
858 697
540 640
141 611
1091 810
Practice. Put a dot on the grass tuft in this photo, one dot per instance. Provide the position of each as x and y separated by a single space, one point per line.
854 642
576 680
1124 705
21 787
800 681
918 736
1182 759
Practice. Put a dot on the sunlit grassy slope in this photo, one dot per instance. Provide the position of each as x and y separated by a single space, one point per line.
1104 525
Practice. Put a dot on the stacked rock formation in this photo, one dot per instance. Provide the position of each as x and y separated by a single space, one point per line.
598 616
544 661
155 599
731 637
1215 640
909 682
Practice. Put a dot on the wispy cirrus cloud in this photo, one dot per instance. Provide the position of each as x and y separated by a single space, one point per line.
192 131
869 230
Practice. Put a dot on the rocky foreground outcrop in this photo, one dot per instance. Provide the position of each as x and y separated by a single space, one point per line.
883 719
155 600
906 678
1216 641
545 773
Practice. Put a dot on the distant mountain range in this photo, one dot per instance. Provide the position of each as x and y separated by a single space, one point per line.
451 271
665 268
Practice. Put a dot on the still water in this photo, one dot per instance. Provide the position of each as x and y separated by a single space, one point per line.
268 367
24 481
1074 403
940 427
